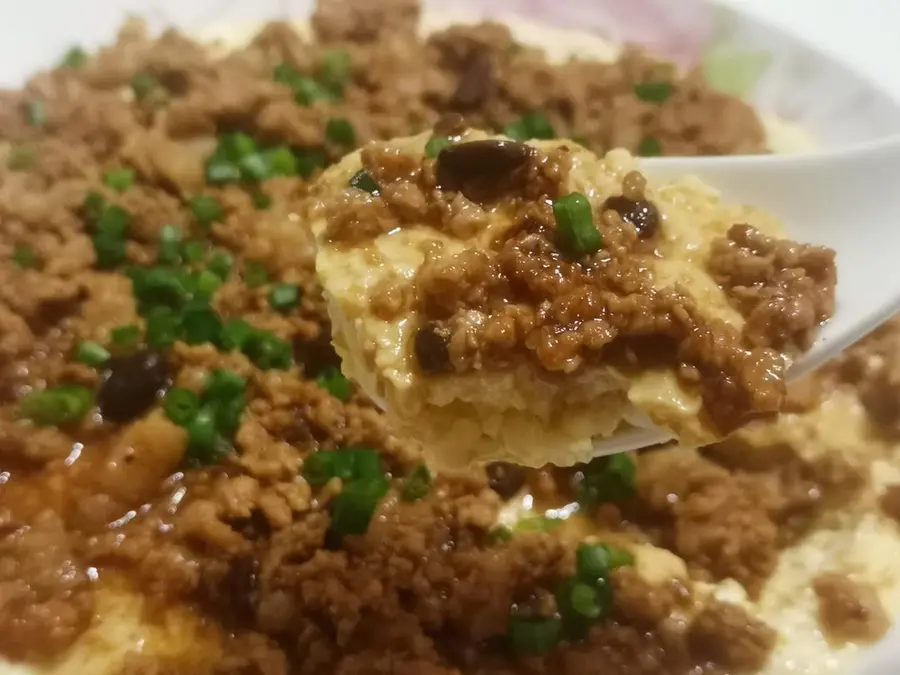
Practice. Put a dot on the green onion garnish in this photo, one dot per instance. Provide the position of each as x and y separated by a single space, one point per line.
282 161
155 286
21 157
220 264
110 251
235 334
417 484
163 327
575 224
206 209
307 91
113 222
353 508
222 384
650 147
285 73
229 413
169 252
268 351
339 131
653 92
93 206
284 297
261 200
207 283
529 126
333 381
119 179
348 464
200 323
25 257
36 111
222 171
76 57
435 144
125 336
362 180
335 70
607 479
181 405
537 524
202 435
254 167
255 274
500 534
193 251
527 635
92 354
594 561
57 405
143 84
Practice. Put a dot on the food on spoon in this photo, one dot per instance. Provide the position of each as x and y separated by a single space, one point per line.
506 300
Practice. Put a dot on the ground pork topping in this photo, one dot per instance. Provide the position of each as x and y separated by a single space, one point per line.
849 611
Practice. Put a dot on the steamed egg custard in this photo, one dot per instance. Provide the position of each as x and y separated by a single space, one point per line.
511 301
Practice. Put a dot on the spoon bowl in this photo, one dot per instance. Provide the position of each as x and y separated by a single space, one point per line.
847 200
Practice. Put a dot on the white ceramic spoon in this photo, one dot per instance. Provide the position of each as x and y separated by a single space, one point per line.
848 200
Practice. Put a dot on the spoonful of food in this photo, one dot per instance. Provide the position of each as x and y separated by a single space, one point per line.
847 200
534 303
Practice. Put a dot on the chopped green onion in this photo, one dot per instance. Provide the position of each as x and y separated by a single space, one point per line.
254 167
202 435
193 251
500 534
650 147
220 264
143 84
594 561
110 251
235 334
335 71
607 479
261 200
333 381
236 146
201 324
208 282
527 635
435 144
268 351
529 126
580 598
93 206
76 57
169 252
21 157
281 161
285 73
307 91
113 222
163 327
284 297
206 209
255 274
417 484
125 336
348 464
92 354
362 180
181 405
222 384
57 405
339 131
222 171
575 224
309 161
25 257
229 413
157 286
353 508
119 179
653 92
37 113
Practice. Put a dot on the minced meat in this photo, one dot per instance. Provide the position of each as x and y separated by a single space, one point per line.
237 534
849 611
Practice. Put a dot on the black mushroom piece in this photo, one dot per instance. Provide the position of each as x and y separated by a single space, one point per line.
475 84
432 348
505 479
482 170
131 384
642 214
316 354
